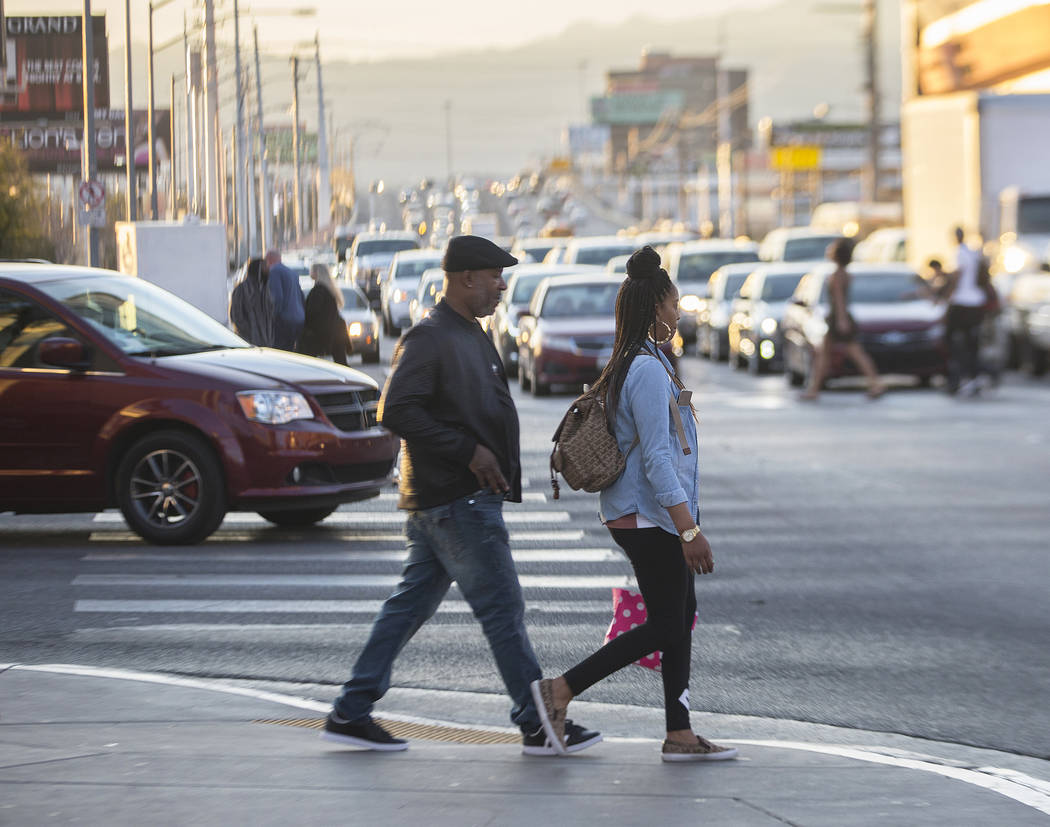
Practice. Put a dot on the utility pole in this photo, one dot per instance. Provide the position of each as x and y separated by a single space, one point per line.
241 154
211 116
173 182
150 126
266 206
324 175
870 35
296 147
87 157
129 126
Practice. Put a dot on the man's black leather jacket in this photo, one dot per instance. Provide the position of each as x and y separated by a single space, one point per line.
447 391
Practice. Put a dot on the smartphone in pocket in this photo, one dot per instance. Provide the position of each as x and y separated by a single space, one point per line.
685 397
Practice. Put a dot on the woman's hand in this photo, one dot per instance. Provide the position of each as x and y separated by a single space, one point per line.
698 555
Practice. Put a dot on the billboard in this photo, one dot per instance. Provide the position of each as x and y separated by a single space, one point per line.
634 108
43 75
279 145
54 145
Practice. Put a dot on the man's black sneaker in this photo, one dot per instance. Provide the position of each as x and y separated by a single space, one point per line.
365 733
576 738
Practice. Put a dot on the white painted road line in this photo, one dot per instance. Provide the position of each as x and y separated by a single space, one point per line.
228 536
549 555
355 519
449 606
539 581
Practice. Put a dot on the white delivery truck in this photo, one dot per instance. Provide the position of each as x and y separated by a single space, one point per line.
187 259
978 160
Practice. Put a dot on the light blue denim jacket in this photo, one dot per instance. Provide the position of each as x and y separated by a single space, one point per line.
658 474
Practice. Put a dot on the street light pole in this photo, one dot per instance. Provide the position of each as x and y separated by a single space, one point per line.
297 161
238 172
87 157
149 125
324 178
129 125
266 206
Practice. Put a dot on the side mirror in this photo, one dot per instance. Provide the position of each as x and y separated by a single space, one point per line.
63 352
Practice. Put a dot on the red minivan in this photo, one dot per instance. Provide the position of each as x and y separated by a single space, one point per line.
114 392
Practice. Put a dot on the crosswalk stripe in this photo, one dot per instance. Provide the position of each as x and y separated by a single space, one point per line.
545 581
449 606
228 535
552 555
359 518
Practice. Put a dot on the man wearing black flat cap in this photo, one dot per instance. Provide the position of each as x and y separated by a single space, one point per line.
448 399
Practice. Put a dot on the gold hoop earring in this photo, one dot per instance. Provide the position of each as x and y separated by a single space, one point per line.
667 338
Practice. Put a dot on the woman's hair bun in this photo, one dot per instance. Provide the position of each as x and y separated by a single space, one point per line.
644 263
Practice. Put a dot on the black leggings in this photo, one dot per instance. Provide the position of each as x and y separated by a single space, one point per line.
963 332
666 584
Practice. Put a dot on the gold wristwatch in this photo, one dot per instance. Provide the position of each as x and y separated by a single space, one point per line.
689 534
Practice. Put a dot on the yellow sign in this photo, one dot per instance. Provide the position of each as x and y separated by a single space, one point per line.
790 158
560 164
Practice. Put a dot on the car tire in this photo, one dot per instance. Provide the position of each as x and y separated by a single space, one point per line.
173 470
371 358
297 517
539 388
523 377
715 347
1038 361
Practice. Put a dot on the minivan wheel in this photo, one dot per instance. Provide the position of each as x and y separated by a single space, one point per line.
170 488
297 517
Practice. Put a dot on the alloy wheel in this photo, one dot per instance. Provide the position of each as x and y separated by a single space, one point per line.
165 488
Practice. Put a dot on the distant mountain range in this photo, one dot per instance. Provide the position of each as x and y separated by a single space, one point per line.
508 108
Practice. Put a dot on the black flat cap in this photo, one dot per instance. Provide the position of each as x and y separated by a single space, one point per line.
472 252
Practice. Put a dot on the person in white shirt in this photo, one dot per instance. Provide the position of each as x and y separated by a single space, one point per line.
966 300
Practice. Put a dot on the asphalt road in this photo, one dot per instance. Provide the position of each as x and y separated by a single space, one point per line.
878 565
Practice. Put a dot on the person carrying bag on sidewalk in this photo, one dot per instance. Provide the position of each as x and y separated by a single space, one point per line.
651 512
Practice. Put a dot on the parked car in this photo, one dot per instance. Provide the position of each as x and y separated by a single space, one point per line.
901 330
690 265
370 256
713 309
1037 330
533 249
428 294
755 340
617 265
362 323
1028 291
521 284
399 286
796 244
118 393
887 244
567 336
596 249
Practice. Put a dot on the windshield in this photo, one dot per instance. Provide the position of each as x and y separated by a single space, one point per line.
779 288
537 251
807 249
881 288
384 245
599 255
734 283
1033 216
410 270
353 299
580 300
141 318
430 292
524 287
694 266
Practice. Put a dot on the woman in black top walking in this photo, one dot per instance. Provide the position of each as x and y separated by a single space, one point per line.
324 331
842 329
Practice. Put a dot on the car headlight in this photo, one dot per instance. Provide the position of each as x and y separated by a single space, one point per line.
400 295
689 303
769 326
354 328
513 331
1015 259
274 407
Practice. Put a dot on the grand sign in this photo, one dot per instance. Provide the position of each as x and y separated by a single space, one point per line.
43 72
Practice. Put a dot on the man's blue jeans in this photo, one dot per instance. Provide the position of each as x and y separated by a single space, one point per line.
464 541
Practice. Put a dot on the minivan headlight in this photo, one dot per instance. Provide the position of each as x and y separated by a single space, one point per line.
274 407
769 326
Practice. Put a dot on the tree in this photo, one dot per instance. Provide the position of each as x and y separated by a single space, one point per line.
23 225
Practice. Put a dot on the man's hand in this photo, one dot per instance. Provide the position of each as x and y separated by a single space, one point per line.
485 467
698 555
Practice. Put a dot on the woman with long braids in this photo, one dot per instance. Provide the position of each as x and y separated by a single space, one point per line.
651 511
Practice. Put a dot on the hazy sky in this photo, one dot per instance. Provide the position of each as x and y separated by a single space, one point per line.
357 31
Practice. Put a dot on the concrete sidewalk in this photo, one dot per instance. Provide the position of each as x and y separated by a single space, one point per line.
105 747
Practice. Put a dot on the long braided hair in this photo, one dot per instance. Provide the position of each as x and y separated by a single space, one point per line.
646 285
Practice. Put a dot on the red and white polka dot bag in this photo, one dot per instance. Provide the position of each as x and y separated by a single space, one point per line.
628 612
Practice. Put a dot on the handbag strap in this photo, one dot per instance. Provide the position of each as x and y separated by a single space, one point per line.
676 415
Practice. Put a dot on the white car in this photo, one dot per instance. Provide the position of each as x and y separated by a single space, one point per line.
596 249
428 294
399 286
